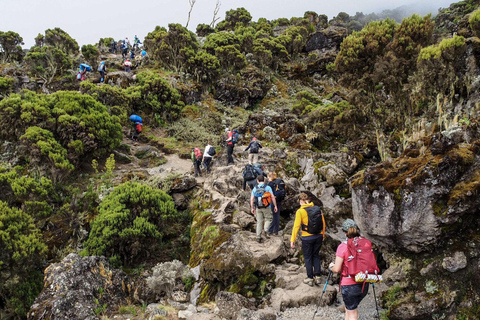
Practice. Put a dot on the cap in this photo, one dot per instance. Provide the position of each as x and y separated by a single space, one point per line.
254 138
347 224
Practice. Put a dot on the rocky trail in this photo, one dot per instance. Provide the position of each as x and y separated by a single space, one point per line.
291 298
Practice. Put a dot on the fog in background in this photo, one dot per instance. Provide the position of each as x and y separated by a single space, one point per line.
89 20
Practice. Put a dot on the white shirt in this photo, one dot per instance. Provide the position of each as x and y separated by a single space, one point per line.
205 154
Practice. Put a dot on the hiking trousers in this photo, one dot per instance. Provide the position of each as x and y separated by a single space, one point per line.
311 252
263 215
230 154
206 163
252 158
196 165
275 218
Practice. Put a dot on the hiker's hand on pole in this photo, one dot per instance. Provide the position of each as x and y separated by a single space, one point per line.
330 266
292 245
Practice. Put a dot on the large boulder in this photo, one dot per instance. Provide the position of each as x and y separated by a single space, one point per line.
416 202
230 304
240 254
76 287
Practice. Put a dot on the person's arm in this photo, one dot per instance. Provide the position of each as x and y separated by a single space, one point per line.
252 198
274 202
244 184
296 227
259 145
249 145
337 266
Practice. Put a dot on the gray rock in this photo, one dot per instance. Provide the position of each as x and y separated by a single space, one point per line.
239 253
181 202
247 314
73 285
333 175
455 263
183 184
230 304
204 316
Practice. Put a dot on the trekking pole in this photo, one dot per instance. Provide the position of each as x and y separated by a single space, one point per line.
375 297
324 288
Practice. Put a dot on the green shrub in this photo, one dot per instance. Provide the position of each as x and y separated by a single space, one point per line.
10 42
20 259
131 222
204 30
6 85
34 194
78 123
46 153
90 53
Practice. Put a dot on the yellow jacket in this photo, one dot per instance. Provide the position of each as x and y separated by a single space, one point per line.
301 217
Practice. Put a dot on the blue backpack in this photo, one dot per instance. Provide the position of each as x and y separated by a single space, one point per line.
235 136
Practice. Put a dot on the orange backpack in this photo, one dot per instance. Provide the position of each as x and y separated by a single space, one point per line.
139 127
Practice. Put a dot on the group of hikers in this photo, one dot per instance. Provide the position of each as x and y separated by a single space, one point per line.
354 259
128 55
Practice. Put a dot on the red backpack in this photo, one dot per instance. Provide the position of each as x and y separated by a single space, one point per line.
198 153
361 264
139 127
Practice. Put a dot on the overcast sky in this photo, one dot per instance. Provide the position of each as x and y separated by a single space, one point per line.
89 20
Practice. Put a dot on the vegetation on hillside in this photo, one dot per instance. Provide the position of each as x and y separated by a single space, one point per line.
368 86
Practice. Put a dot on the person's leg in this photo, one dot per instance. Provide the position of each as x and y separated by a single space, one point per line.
267 213
259 217
316 256
207 163
254 157
230 154
250 158
307 247
351 314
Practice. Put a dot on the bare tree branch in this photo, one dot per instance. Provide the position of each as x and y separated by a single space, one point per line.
192 3
215 12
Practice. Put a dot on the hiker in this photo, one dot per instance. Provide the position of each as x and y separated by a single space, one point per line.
124 49
102 69
127 42
254 146
82 74
260 169
197 160
136 42
128 65
249 177
352 292
208 154
310 219
230 146
114 46
132 54
279 190
138 128
261 201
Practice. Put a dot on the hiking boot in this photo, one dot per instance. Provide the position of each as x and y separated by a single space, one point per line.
308 281
318 280
259 239
266 234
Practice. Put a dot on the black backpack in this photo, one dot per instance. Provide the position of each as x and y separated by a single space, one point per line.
315 220
254 147
211 151
279 189
249 172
